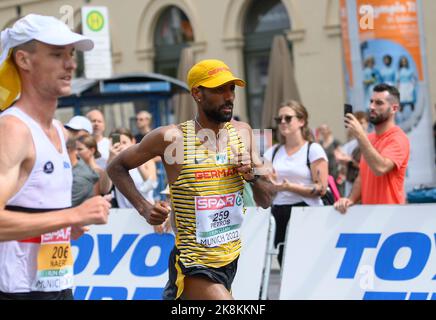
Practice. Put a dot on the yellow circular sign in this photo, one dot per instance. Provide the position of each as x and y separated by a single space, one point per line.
95 21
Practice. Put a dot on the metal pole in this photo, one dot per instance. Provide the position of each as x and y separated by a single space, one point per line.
270 251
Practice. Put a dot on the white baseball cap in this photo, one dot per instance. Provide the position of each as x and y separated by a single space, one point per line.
45 29
79 123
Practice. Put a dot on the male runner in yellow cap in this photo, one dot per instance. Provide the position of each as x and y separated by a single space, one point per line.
207 159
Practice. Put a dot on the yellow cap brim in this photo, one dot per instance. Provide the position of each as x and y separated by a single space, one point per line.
10 85
221 80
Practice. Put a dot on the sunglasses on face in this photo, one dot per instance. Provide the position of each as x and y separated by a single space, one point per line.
279 120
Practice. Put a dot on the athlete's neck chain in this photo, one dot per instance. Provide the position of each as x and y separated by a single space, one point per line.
196 120
201 127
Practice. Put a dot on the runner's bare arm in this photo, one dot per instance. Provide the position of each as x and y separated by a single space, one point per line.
263 189
20 225
153 144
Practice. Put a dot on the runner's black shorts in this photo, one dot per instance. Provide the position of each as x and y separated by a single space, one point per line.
177 272
66 294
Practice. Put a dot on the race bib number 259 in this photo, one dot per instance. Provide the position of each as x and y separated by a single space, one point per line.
218 218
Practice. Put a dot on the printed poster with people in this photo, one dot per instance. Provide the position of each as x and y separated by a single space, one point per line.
383 43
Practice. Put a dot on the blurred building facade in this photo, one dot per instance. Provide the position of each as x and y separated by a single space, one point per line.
149 35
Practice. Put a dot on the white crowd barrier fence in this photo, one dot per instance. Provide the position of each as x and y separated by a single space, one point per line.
372 252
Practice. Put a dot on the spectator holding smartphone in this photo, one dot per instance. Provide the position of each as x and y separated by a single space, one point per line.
348 154
385 153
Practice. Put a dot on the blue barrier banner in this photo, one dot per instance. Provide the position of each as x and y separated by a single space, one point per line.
371 253
126 260
122 260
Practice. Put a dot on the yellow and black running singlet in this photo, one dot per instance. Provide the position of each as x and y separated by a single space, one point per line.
207 202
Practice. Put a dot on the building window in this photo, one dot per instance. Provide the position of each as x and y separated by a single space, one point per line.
264 20
173 33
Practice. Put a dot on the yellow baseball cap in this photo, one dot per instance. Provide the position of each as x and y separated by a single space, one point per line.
10 84
211 73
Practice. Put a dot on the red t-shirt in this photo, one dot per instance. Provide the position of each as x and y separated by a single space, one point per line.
388 188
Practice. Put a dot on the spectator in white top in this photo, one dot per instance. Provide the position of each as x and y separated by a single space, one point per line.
99 125
297 183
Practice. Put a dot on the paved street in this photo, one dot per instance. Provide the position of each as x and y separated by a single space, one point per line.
274 285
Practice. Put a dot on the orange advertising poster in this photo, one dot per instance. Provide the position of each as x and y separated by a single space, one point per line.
383 43
392 20
389 43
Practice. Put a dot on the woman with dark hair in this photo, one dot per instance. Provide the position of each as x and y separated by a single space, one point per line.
387 71
325 137
300 169
87 150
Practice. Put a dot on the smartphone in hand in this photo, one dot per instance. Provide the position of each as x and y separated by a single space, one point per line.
115 138
348 108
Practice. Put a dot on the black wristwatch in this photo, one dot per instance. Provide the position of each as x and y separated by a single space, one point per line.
253 181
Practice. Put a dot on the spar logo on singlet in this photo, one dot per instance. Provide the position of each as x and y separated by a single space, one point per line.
62 235
216 202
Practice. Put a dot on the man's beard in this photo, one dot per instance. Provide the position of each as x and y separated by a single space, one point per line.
379 118
216 116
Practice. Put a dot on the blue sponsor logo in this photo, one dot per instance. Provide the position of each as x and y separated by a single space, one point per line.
66 165
110 255
355 245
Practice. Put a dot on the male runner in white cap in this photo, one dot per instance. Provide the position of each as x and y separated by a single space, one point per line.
36 221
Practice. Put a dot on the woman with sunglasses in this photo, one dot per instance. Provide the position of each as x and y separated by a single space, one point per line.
300 167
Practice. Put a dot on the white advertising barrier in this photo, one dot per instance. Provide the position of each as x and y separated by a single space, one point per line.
372 252
248 279
126 260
